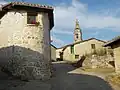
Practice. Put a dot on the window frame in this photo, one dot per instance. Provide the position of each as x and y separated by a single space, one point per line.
32 14
93 46
77 56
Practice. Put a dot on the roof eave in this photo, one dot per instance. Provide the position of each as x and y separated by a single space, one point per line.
109 43
105 45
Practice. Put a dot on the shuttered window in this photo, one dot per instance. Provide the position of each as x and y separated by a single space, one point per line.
72 49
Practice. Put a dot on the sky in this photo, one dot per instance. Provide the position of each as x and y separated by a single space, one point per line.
97 18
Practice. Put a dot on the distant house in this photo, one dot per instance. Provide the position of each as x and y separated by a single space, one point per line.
53 53
58 54
115 45
25 36
73 52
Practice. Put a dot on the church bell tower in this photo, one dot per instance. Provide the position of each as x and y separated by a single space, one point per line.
77 32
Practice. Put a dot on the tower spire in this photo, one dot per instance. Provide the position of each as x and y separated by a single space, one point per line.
77 32
77 24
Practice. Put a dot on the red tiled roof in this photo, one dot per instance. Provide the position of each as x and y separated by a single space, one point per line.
27 4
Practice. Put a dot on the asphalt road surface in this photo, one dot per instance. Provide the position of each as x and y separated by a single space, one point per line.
62 80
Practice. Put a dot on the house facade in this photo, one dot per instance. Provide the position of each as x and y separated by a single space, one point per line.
115 45
53 53
58 51
73 52
25 36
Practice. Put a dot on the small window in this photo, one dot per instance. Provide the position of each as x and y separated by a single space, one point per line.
76 35
31 18
72 49
93 46
76 56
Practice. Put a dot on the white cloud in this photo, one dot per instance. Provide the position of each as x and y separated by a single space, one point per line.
65 16
63 32
2 2
57 41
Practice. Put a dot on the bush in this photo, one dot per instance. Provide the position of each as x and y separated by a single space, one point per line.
99 52
114 79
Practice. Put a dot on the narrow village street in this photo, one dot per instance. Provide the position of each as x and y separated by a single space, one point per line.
65 77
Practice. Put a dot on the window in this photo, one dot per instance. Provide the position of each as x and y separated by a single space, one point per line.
93 46
31 18
72 49
76 35
76 56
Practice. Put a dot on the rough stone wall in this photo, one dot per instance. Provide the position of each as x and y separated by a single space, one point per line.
116 50
28 45
95 61
53 53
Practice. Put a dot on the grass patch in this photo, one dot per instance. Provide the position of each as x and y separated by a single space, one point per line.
99 70
114 79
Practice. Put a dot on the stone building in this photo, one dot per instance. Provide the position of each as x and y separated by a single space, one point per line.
74 51
25 39
115 45
53 53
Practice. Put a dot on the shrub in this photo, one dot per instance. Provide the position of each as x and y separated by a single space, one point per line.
101 52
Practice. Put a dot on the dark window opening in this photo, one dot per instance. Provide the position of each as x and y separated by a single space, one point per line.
76 56
76 35
93 46
31 18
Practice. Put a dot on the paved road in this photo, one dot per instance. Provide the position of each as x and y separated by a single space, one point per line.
62 80
71 81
